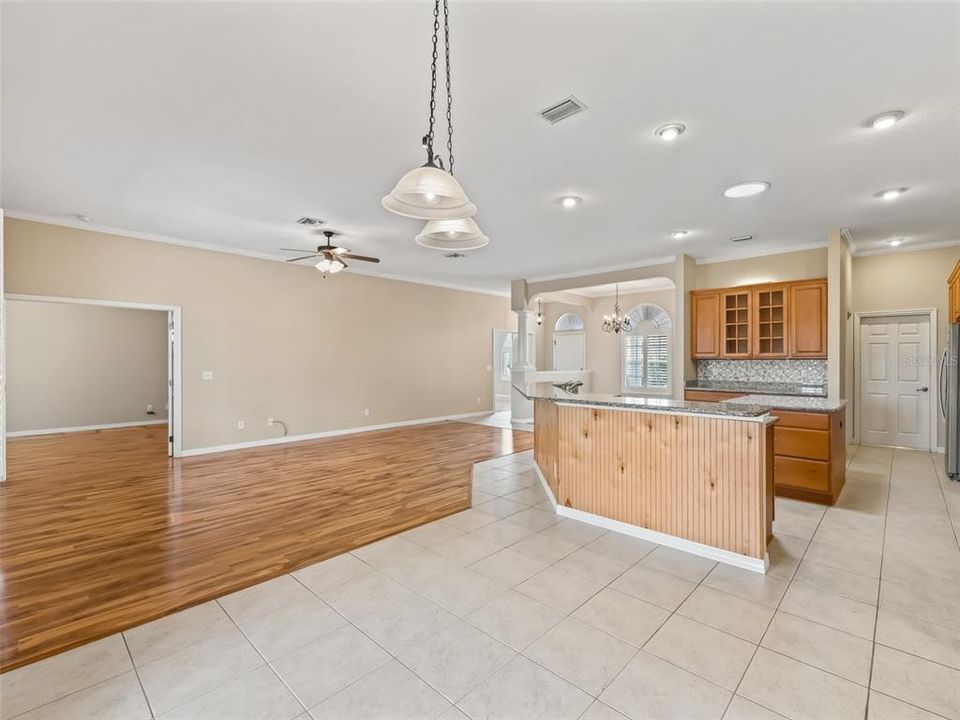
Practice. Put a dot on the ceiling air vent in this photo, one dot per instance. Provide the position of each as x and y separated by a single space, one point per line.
455 255
309 221
741 238
562 110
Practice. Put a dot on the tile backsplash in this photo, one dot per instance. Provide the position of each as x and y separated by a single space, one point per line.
803 372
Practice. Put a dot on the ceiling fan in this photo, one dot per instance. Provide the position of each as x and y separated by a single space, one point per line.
331 257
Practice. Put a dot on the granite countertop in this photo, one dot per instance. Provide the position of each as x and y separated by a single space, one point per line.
548 391
789 402
764 388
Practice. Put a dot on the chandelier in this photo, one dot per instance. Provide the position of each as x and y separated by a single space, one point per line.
431 192
617 322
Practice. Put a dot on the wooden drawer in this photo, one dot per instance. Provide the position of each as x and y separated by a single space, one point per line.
806 474
800 443
710 395
808 420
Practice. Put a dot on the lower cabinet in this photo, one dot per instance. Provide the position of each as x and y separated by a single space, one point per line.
809 455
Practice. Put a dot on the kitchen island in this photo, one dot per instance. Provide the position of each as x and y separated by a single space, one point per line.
696 476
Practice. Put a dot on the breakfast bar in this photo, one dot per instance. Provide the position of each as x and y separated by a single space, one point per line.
696 476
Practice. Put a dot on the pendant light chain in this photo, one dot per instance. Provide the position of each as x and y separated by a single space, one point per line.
428 140
446 40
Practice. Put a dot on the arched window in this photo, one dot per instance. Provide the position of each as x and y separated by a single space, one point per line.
646 350
569 322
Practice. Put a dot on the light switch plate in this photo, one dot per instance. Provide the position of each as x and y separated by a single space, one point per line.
207 375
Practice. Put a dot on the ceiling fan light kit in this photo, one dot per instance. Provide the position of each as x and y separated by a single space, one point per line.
460 234
431 192
331 257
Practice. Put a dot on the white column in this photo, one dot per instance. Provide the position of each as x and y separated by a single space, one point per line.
521 409
524 354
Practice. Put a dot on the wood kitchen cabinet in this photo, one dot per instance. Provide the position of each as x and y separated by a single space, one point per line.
736 323
705 323
807 321
770 322
809 455
953 295
777 320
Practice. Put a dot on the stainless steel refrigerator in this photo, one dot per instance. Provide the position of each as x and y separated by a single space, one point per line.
949 396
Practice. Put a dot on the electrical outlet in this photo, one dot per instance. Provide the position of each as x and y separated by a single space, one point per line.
366 412
269 421
478 401
207 375
240 425
149 409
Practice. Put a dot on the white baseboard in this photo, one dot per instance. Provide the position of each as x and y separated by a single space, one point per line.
694 548
83 428
324 434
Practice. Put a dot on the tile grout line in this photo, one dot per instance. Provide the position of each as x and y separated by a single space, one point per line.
876 616
772 617
136 672
257 650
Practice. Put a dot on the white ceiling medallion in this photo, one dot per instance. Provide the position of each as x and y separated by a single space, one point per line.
459 234
746 189
431 192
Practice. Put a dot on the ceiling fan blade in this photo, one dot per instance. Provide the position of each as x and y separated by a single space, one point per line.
305 257
295 250
364 258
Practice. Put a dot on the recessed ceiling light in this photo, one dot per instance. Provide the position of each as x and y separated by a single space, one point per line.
670 131
892 193
83 218
886 120
569 201
896 242
746 189
679 234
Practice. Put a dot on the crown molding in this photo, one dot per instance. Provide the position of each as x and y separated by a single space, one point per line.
762 253
909 248
195 245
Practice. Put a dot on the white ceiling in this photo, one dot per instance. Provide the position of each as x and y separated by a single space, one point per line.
631 286
221 123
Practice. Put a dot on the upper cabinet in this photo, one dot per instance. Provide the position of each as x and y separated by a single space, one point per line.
953 295
705 321
782 320
736 323
808 319
770 321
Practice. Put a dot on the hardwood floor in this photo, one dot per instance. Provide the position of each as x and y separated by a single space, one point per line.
101 531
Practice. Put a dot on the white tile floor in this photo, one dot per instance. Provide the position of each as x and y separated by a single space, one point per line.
503 612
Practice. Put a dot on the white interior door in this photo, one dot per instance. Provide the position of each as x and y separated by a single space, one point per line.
568 351
894 381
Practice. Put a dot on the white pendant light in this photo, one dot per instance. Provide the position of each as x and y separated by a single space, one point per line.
460 234
430 192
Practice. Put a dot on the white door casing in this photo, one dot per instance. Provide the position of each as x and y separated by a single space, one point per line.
569 352
894 381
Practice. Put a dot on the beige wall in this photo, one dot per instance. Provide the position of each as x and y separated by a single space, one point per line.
905 281
281 340
603 348
72 365
803 265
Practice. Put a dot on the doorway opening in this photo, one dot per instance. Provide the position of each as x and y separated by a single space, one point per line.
77 365
895 373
